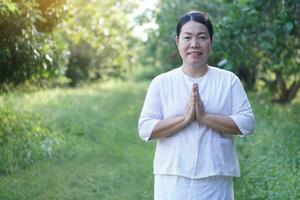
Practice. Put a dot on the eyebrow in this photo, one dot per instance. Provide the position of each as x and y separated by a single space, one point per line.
197 33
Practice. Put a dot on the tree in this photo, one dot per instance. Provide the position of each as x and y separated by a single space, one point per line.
161 52
99 37
28 49
280 46
258 40
263 38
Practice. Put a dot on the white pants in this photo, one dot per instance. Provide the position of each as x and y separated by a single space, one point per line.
167 187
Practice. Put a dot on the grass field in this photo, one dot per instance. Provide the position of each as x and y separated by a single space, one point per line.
100 156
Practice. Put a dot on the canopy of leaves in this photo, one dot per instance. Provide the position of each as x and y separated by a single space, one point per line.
262 41
99 37
258 40
27 48
84 40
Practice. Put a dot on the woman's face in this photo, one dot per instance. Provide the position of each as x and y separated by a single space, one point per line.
194 44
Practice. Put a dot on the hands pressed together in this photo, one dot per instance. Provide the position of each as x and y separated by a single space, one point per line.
194 112
195 108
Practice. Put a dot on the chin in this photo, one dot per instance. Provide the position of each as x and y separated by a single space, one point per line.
197 64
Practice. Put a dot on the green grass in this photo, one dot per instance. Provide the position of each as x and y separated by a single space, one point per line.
270 159
102 157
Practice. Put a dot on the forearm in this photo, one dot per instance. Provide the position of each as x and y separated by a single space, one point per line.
220 123
169 126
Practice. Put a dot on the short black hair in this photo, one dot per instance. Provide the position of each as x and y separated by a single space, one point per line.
196 16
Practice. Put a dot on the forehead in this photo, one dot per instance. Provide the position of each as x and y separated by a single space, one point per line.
193 27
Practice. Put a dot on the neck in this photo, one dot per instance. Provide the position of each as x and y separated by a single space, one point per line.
194 71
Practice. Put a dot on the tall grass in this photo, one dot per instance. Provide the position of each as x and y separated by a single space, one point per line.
270 159
97 153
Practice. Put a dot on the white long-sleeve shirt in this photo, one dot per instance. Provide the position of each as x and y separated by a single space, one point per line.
196 151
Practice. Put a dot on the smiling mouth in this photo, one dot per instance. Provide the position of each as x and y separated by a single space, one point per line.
194 53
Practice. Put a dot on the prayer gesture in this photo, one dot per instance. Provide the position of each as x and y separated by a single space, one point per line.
199 106
195 107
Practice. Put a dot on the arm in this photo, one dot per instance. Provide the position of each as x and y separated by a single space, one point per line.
220 123
151 123
170 126
167 127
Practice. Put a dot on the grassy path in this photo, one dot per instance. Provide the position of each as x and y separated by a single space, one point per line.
103 157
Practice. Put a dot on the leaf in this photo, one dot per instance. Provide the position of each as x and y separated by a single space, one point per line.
222 63
48 58
11 7
266 45
288 27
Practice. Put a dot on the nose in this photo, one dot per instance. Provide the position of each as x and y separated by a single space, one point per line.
194 43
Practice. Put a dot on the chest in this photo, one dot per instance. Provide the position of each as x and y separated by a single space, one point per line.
214 93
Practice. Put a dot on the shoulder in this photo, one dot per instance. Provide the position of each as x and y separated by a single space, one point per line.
222 73
219 71
166 76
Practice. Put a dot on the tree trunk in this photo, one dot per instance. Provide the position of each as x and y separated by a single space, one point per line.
286 95
248 75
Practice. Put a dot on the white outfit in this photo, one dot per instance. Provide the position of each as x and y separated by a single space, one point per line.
180 188
196 151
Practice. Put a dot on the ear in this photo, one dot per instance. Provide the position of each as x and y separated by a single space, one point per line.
177 40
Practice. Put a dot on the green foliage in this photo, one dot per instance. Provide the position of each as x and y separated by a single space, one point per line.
50 13
100 39
261 39
103 150
84 40
24 140
270 159
90 40
26 52
258 40
161 52
234 33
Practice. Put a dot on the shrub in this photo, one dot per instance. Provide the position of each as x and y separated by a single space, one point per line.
29 48
24 140
270 158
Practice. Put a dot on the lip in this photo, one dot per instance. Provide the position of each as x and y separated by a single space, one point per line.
194 52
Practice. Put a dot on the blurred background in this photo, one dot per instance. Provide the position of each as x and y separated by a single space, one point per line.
73 77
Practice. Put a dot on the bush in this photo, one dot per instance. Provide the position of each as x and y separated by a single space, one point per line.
80 64
270 158
29 50
24 140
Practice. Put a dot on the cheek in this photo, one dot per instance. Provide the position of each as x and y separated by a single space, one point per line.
182 52
182 47
208 45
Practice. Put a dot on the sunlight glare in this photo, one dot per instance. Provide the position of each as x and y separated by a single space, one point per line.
140 31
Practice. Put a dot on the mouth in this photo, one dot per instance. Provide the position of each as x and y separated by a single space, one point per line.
194 53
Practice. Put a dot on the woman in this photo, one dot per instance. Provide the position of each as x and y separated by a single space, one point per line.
193 112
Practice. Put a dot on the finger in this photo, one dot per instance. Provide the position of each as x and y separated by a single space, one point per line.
198 94
201 105
195 87
196 91
199 98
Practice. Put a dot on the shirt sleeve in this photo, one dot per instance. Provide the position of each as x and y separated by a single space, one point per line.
151 112
242 113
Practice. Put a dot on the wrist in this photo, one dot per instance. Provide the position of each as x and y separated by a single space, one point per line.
201 118
186 120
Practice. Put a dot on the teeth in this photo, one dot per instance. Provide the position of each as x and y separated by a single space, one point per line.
195 53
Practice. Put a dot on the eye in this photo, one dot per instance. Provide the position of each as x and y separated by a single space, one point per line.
203 37
186 37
